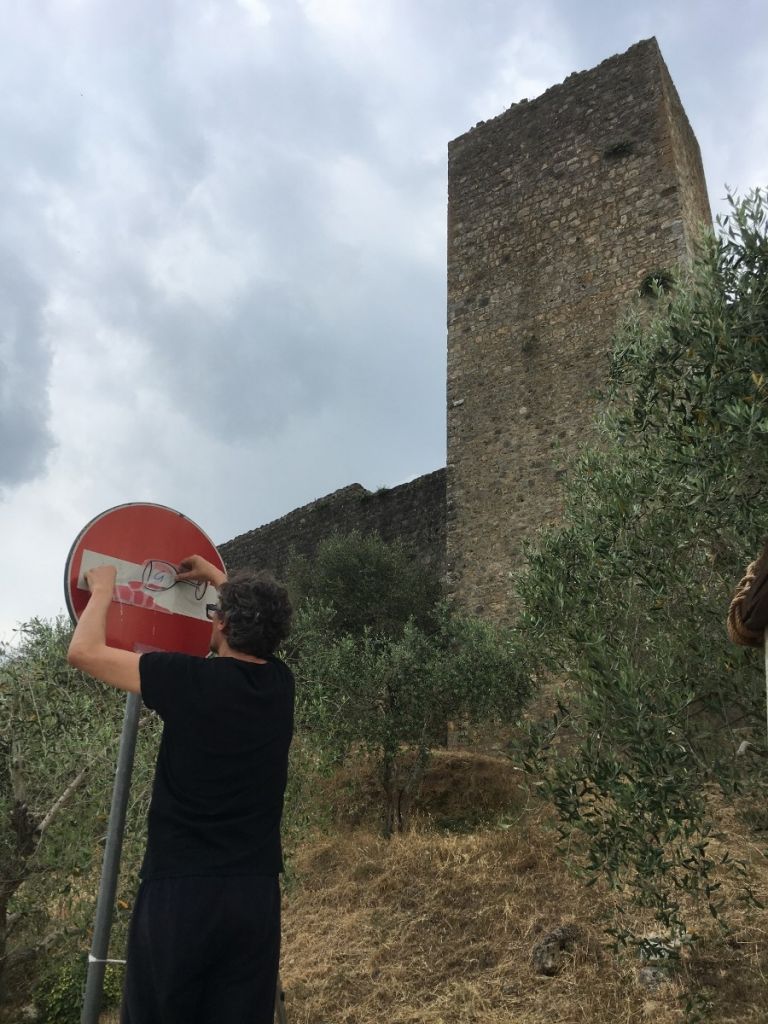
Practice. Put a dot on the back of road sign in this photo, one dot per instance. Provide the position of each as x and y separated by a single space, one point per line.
150 610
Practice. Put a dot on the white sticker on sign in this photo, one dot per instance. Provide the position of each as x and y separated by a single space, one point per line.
151 584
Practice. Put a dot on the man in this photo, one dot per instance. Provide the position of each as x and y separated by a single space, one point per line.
204 942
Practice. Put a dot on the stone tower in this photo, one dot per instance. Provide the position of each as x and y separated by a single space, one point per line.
558 209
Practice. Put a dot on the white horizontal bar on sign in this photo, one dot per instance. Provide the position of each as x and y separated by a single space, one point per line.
126 571
150 584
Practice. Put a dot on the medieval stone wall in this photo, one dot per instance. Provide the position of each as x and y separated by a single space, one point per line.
558 209
684 151
413 513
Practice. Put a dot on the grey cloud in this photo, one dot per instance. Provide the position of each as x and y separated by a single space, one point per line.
326 320
320 321
24 359
352 346
350 331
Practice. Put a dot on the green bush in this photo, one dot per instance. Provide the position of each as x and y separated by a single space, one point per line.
59 993
368 583
59 733
393 695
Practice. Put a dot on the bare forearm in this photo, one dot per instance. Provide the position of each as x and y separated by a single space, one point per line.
91 630
88 649
217 577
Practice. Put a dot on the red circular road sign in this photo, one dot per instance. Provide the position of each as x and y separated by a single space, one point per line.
150 610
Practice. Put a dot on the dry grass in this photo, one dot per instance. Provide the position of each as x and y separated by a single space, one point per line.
461 790
438 927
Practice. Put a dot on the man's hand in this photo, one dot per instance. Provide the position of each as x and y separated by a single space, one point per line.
197 569
101 578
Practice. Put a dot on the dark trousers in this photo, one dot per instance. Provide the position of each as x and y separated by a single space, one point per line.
203 951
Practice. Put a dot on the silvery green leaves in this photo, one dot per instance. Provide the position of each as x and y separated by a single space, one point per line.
624 602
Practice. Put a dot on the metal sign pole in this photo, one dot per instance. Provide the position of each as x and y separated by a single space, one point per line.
97 959
280 1014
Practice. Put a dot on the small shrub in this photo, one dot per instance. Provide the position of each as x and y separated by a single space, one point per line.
60 990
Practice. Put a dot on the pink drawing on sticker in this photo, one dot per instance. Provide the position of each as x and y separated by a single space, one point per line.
132 593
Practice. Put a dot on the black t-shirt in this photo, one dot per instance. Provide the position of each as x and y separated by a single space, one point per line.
222 766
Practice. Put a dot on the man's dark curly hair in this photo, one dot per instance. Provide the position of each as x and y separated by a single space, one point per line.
256 613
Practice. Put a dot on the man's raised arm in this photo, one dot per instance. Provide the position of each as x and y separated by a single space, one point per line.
88 648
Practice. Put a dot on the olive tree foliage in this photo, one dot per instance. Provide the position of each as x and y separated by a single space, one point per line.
368 583
59 734
626 600
382 665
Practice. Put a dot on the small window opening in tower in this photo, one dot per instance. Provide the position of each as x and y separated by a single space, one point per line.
619 149
656 282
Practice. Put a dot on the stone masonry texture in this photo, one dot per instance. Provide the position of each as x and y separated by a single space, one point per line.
413 513
558 209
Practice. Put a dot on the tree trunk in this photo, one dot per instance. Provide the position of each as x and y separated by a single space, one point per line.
3 940
28 830
410 790
390 794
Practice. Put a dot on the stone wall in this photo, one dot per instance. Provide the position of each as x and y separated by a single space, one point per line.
558 209
413 513
684 151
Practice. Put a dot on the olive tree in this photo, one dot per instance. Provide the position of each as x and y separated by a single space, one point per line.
59 732
367 582
625 601
382 665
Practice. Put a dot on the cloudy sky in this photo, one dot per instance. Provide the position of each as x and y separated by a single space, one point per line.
222 237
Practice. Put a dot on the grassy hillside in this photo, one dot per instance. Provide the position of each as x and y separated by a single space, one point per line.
441 925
